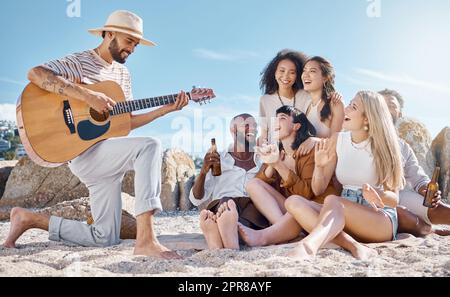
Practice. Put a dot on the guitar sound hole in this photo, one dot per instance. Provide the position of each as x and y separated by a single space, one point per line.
99 117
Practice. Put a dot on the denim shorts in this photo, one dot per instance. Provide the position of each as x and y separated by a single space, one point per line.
357 197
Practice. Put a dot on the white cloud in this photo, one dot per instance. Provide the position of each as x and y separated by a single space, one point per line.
12 81
403 79
8 112
231 55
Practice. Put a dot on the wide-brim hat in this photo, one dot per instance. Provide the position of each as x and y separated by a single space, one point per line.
124 22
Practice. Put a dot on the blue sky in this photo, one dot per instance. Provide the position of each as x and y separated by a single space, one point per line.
225 45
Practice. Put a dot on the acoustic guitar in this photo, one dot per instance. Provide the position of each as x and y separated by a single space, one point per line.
55 129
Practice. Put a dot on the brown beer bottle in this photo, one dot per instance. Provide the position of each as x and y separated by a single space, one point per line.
216 168
432 188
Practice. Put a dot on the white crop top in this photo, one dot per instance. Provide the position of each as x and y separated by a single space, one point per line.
355 163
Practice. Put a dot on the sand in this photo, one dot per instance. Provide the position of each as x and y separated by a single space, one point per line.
37 256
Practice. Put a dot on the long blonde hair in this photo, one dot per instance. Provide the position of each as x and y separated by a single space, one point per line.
384 141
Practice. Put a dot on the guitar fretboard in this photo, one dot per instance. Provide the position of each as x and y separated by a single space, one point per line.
133 105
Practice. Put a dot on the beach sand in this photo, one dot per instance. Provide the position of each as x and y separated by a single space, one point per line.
37 256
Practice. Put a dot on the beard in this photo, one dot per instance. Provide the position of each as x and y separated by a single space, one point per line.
242 139
116 52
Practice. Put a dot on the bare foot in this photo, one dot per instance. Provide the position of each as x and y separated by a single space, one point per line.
227 220
155 249
301 252
251 237
210 230
363 252
223 207
21 221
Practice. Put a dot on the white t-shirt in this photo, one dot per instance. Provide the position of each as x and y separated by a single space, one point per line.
231 183
268 105
355 163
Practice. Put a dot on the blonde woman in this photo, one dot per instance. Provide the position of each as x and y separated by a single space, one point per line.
367 163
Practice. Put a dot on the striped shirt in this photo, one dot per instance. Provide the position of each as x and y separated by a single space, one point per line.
88 68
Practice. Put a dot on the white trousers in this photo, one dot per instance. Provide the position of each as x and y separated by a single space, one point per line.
101 169
413 202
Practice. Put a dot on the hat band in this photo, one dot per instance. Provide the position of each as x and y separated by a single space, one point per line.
123 28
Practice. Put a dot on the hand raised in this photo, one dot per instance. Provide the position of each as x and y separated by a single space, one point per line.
209 161
323 155
336 98
269 154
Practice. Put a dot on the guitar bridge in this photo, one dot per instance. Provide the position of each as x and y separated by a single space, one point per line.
68 117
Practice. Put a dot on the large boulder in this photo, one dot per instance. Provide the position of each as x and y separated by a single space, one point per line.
128 183
419 138
32 186
178 171
5 170
441 151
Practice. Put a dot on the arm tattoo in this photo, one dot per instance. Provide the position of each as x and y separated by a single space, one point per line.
53 83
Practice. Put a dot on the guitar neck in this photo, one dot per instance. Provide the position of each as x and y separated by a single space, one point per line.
134 105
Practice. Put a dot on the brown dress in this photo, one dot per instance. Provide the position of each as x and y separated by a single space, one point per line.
300 183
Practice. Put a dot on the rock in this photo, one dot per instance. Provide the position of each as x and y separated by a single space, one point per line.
419 138
177 174
185 188
32 186
128 183
78 209
4 213
5 170
440 149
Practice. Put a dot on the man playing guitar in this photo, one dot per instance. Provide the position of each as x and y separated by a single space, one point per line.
103 166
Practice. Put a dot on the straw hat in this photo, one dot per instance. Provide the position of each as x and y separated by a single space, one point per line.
125 22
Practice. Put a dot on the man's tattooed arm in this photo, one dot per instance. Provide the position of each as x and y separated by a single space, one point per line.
49 81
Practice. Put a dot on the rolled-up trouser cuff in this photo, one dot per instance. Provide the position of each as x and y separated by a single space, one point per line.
413 202
54 227
148 205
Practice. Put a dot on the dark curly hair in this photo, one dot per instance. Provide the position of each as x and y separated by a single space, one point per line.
328 89
306 130
268 83
389 92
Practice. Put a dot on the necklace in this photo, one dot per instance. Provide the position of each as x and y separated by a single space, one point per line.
355 145
282 103
289 155
311 105
314 105
241 160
